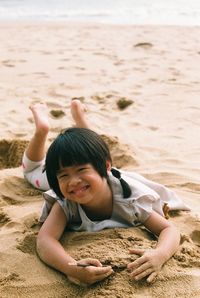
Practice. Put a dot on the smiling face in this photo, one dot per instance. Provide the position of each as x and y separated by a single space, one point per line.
72 148
81 183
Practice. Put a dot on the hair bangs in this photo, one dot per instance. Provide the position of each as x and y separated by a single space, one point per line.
73 151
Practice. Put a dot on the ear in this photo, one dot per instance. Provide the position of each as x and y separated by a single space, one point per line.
108 165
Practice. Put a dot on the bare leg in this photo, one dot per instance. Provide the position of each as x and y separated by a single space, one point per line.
78 113
36 148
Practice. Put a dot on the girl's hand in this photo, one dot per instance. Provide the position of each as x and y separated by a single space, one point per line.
90 274
147 265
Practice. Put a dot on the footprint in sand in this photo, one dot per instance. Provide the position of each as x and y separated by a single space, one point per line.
61 68
46 52
8 63
119 62
144 45
153 128
40 73
98 98
11 153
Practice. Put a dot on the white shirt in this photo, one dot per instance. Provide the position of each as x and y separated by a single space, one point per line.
147 196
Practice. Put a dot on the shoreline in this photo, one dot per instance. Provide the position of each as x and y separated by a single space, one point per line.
38 22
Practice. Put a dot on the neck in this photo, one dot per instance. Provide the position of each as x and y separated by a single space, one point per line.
102 206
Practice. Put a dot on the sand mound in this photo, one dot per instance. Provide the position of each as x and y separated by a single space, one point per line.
122 155
15 190
11 152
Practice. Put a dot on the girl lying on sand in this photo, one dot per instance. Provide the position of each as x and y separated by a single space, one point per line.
84 192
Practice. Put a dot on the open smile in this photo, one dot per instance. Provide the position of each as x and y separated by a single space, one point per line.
79 191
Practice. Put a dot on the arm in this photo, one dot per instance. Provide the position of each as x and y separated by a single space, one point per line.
48 247
150 262
168 235
52 253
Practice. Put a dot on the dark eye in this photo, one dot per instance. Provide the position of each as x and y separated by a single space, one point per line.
62 176
81 169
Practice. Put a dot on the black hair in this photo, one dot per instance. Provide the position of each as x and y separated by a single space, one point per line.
76 146
125 187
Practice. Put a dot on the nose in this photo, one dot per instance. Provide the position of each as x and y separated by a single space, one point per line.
74 180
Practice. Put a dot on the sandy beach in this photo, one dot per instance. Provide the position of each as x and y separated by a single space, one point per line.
155 71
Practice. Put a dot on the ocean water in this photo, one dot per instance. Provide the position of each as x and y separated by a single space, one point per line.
167 12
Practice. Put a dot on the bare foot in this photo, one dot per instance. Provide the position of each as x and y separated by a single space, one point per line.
40 115
78 113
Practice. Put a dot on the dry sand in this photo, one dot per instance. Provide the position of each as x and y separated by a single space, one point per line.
157 135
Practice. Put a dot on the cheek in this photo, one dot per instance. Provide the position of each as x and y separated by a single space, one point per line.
62 185
96 181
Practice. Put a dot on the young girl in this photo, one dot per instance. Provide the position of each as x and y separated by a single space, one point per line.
84 192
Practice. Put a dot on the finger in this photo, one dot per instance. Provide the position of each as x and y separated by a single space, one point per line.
141 269
103 270
152 277
136 251
98 277
143 274
103 276
92 262
137 263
